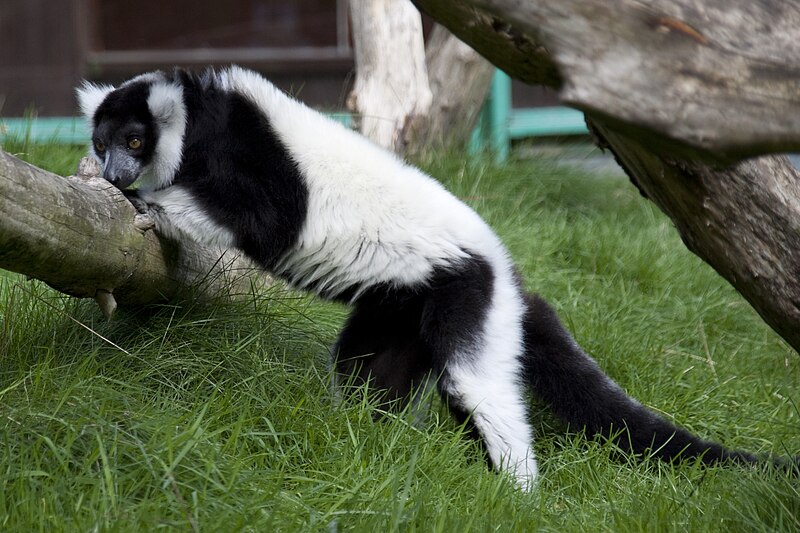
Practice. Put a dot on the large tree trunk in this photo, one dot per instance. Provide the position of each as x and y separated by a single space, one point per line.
391 94
409 97
82 237
679 91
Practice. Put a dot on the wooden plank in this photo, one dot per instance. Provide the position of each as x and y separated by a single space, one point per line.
67 130
545 122
73 130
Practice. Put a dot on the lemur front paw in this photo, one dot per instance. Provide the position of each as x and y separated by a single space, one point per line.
137 202
145 217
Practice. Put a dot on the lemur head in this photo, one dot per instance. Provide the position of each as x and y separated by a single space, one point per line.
137 129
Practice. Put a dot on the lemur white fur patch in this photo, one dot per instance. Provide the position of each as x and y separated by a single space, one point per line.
169 114
488 383
184 217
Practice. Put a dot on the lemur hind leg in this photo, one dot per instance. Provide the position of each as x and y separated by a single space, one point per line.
472 322
380 345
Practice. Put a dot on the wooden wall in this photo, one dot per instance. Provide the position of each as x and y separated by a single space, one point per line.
40 55
48 46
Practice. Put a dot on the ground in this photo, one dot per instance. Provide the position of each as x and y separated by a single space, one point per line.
221 417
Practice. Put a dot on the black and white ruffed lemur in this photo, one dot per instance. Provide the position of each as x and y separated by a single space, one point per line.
229 160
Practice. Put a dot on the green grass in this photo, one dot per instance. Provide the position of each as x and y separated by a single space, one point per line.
220 417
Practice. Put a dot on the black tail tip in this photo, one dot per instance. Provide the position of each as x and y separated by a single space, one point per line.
786 465
789 465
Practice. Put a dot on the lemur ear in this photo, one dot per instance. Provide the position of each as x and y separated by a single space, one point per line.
166 103
90 96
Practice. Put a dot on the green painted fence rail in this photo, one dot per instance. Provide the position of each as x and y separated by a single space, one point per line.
67 130
498 125
70 130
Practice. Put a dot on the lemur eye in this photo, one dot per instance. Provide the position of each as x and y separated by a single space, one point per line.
134 143
99 147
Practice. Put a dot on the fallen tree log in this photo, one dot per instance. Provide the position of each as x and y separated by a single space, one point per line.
82 237
680 91
712 79
744 221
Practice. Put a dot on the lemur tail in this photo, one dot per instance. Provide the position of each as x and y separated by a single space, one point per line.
580 394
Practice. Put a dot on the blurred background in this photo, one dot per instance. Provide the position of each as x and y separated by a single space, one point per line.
303 46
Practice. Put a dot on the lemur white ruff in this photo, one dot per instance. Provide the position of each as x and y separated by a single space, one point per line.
227 159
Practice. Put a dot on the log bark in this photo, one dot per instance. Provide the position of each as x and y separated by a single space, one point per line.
82 237
744 221
391 95
681 92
